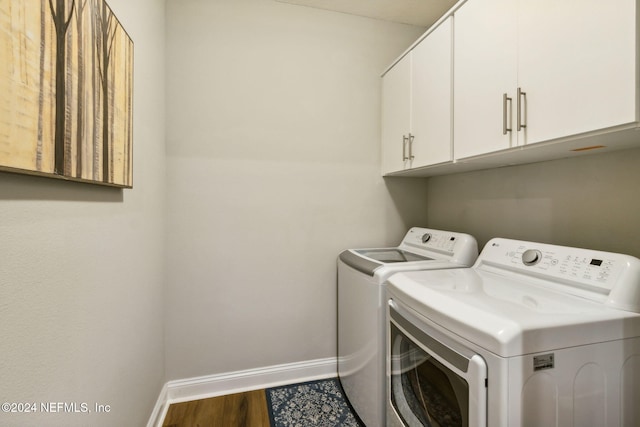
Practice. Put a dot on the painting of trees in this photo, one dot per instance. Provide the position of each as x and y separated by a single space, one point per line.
66 91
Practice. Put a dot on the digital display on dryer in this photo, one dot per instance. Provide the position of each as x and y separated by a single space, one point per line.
596 262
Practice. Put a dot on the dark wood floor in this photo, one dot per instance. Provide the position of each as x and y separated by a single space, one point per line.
247 409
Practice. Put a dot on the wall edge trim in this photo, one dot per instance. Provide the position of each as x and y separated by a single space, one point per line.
160 409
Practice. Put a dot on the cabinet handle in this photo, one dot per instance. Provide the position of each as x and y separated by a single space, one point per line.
521 95
405 138
411 156
505 99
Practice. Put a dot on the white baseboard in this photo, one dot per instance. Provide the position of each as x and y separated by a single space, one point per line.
239 381
160 410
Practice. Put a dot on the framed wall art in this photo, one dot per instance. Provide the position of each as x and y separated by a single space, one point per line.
66 91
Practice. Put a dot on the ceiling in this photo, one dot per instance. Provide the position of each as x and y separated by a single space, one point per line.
422 13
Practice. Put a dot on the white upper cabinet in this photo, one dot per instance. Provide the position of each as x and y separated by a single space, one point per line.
396 110
431 102
416 105
577 66
501 82
533 71
485 58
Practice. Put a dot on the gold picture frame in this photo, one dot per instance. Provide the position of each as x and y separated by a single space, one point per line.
66 91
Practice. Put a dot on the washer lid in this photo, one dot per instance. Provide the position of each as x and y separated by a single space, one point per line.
391 255
370 261
509 315
420 248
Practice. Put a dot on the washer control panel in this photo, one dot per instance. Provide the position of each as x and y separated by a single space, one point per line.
431 239
449 246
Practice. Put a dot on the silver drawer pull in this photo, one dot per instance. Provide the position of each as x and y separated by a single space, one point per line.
505 99
405 138
521 95
411 156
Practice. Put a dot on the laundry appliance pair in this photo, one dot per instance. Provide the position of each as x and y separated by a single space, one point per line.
527 334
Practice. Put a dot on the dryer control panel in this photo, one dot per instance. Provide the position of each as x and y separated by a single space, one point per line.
589 273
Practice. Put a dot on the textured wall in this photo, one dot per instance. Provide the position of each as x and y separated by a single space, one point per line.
273 169
590 201
81 271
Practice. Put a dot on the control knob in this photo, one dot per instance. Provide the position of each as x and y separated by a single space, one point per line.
426 237
531 257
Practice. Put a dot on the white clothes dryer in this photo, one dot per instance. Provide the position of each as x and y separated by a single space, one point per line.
531 335
362 308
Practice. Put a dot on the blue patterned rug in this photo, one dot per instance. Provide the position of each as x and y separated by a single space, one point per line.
316 403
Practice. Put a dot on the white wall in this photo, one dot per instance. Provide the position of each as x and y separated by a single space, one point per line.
273 116
81 270
590 201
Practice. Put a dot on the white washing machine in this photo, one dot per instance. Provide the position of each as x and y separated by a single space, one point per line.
531 335
362 308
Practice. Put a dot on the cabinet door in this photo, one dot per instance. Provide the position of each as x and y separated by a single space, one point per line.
396 98
577 65
431 97
485 68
